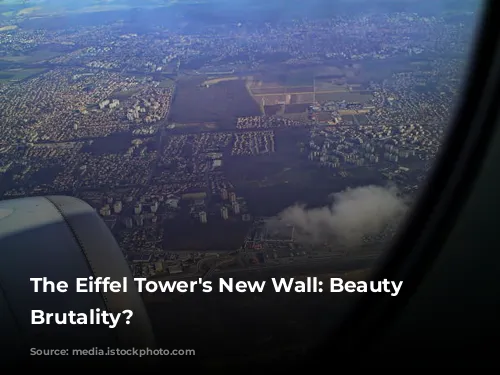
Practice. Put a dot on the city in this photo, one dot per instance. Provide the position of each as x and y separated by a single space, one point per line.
214 148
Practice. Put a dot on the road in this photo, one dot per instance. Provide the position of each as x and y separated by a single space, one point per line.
327 264
211 271
313 266
160 139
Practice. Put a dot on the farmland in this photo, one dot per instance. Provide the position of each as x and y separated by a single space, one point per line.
219 103
273 91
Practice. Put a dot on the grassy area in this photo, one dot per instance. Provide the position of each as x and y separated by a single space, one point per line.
217 80
167 83
8 28
208 126
296 78
15 75
35 56
347 96
359 275
300 78
125 94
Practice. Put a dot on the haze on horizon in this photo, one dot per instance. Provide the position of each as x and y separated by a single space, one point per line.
292 7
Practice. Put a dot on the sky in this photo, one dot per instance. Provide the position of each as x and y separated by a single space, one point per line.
252 9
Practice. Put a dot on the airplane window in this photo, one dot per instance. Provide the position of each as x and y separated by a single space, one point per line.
234 138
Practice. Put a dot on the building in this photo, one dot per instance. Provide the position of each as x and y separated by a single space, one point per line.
172 203
128 222
224 194
224 213
138 209
232 197
154 207
176 269
103 104
159 267
115 103
106 210
117 207
236 208
203 217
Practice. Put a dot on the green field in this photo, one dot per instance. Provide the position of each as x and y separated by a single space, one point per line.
15 75
122 95
347 96
300 78
297 78
34 57
167 83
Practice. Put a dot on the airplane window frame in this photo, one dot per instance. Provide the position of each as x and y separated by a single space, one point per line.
450 183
